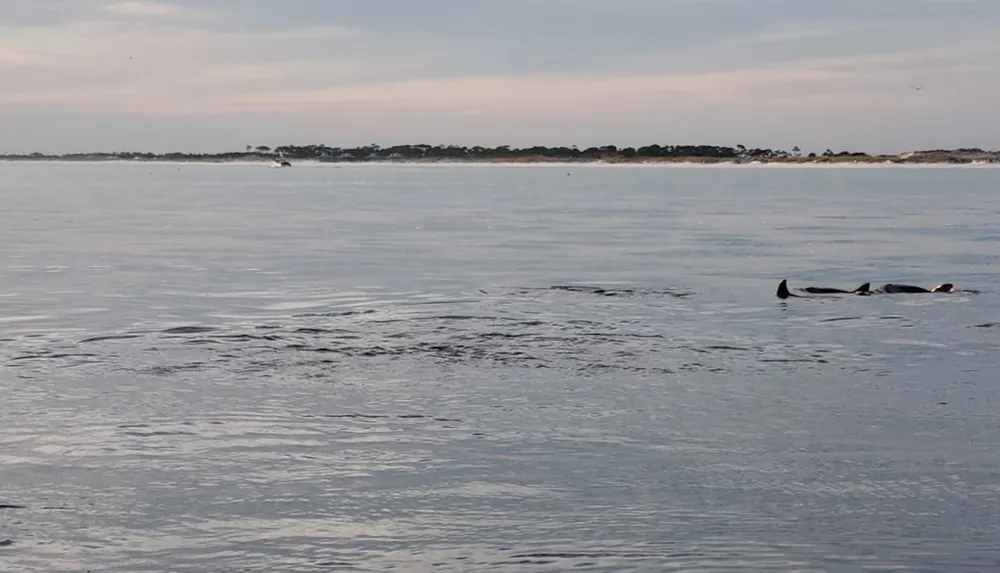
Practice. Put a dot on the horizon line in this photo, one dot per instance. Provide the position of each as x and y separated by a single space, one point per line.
739 149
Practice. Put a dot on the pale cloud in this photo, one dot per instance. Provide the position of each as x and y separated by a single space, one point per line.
563 95
795 32
833 84
97 66
144 8
313 33
12 59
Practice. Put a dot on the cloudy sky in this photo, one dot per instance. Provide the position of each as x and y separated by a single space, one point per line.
210 75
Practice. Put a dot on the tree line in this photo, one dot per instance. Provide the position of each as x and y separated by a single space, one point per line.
410 152
431 152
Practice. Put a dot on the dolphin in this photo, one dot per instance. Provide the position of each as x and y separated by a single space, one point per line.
784 293
891 288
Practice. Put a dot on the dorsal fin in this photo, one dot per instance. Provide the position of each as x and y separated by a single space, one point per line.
783 289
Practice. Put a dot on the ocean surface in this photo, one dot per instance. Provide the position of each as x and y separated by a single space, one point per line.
460 368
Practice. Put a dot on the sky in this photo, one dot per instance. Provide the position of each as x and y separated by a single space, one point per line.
217 75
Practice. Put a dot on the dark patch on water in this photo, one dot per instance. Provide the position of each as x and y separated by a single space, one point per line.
648 370
45 355
607 291
166 370
155 433
110 337
589 555
201 341
723 347
307 348
620 291
336 314
12 506
188 330
243 337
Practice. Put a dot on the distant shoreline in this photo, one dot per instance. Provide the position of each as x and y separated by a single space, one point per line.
702 155
870 160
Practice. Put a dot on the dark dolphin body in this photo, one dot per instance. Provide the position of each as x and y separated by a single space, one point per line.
910 289
784 293
863 289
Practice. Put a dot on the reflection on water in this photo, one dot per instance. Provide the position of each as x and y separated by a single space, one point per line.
227 368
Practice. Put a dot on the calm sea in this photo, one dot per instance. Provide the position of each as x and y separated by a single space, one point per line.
208 368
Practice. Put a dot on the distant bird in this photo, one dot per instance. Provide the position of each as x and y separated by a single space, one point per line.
916 87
